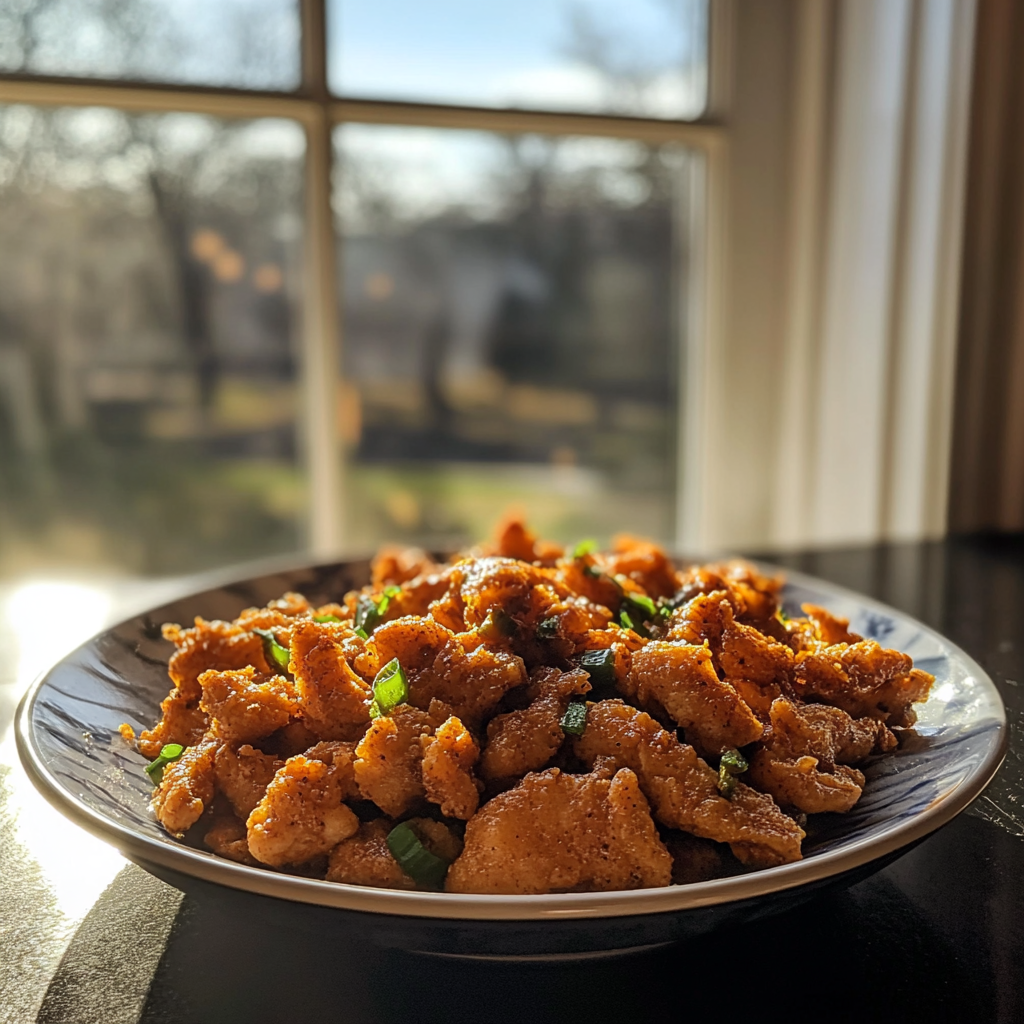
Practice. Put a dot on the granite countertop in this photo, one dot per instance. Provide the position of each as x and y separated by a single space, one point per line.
937 936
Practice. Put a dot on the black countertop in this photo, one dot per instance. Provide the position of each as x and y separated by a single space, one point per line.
937 936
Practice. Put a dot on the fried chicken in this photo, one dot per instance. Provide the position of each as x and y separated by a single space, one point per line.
449 757
864 679
555 832
389 759
526 740
683 789
682 679
714 721
244 706
301 814
187 788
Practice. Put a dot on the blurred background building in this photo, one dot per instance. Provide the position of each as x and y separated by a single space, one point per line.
307 275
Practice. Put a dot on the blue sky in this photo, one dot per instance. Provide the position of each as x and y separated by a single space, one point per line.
472 51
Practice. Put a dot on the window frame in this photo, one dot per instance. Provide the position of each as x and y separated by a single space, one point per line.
318 112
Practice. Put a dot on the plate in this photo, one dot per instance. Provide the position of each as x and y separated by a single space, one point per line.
67 737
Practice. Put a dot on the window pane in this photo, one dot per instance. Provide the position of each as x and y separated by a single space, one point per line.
252 44
510 309
647 57
148 284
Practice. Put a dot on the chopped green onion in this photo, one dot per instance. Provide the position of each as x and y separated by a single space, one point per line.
626 621
734 761
600 666
168 752
782 614
422 866
390 689
585 547
392 591
370 613
362 632
574 721
641 604
731 764
548 628
498 625
326 618
275 653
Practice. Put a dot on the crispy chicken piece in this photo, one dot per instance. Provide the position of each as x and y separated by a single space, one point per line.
800 783
211 645
514 540
644 563
415 642
449 757
333 697
243 776
389 759
570 575
693 859
683 790
826 733
524 741
830 629
206 645
364 859
805 757
182 721
683 680
753 597
747 653
864 679
397 565
440 666
342 758
244 706
499 584
226 838
700 620
187 787
275 615
301 815
555 832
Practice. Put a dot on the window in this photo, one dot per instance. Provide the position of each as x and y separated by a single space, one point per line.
240 317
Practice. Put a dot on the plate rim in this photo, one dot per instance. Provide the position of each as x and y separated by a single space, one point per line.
485 907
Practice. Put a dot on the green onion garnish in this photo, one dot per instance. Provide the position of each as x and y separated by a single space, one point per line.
626 621
275 653
326 618
548 628
369 613
392 591
423 867
585 547
498 625
574 721
731 764
363 634
642 605
783 615
168 752
390 689
600 666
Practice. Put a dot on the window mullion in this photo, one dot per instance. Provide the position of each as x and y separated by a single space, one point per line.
321 327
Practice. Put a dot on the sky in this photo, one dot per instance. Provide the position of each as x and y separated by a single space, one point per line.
465 51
